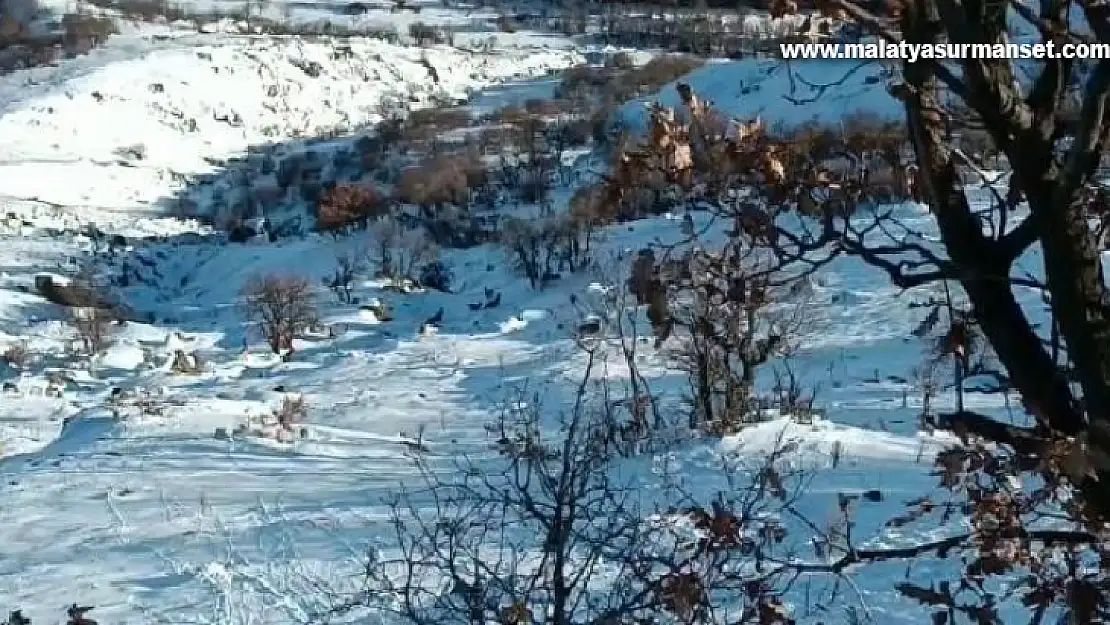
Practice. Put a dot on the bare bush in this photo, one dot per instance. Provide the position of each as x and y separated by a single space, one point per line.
93 312
16 355
789 394
429 123
557 531
441 117
621 60
81 32
530 170
532 246
593 206
79 293
281 308
617 84
22 46
663 69
400 253
541 248
94 327
293 410
347 268
733 317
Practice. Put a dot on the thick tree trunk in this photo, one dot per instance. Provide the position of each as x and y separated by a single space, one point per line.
983 266
1081 307
1073 270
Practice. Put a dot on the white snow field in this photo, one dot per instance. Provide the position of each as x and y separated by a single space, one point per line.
115 491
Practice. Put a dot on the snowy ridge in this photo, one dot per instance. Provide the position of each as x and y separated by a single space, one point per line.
125 135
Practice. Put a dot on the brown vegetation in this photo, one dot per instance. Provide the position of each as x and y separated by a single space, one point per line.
78 34
346 205
293 410
1059 454
616 85
441 181
428 123
92 311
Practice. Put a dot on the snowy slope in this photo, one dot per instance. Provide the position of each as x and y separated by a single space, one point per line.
171 518
786 94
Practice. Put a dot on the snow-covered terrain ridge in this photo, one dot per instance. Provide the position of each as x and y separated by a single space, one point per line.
124 135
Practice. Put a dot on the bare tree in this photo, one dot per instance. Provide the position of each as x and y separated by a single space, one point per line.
400 252
541 248
798 208
281 307
533 246
92 311
347 267
733 318
554 536
530 170
94 328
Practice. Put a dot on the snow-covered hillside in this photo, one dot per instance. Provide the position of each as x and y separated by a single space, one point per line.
162 496
169 518
786 94
128 126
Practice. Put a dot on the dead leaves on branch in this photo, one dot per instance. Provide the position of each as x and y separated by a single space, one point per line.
782 8
686 596
349 204
696 152
827 8
961 339
683 594
1003 505
516 614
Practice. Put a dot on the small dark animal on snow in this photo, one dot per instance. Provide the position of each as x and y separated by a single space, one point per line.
77 616
590 327
241 234
435 319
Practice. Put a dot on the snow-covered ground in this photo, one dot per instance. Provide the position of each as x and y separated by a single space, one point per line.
129 124
115 490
